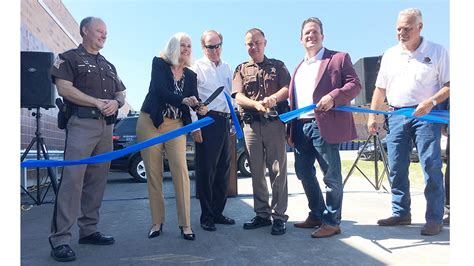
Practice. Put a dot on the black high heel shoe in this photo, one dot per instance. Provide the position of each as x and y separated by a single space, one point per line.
155 233
191 236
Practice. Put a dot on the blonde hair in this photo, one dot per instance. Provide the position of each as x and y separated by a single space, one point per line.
172 49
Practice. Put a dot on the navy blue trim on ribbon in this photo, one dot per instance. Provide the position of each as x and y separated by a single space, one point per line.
435 116
235 120
119 153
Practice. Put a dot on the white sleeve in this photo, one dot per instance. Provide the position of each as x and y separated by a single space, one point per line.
443 67
381 81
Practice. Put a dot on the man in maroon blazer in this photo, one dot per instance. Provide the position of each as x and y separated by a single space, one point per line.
328 79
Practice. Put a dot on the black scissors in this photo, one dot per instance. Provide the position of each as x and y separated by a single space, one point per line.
210 99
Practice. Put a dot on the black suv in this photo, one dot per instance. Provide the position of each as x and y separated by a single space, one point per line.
125 135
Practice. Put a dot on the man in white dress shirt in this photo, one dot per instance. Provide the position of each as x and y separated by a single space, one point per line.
213 141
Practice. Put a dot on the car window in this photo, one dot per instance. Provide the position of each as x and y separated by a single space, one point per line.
126 127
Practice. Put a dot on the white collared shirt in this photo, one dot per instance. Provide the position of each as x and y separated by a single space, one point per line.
209 78
410 78
305 82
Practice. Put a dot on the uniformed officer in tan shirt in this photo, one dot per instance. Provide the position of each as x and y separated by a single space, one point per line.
93 92
260 87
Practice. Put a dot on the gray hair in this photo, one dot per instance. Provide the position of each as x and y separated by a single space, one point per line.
172 49
411 12
312 19
211 31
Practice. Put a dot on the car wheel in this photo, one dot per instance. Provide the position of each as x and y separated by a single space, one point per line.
137 170
243 165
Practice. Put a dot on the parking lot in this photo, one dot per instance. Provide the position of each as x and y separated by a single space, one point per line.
125 215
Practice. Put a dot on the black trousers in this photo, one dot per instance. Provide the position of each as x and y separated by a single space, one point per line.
213 168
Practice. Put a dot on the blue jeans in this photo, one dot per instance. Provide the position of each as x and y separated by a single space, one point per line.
426 136
310 146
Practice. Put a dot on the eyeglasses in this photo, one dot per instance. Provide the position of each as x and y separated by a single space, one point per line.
215 46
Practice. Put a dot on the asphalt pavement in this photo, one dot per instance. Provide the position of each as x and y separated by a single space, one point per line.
125 215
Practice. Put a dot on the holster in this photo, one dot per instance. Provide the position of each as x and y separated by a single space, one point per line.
63 113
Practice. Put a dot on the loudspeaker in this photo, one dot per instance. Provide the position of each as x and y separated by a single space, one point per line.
37 88
367 69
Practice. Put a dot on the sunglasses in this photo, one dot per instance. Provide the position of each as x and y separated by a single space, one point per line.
211 47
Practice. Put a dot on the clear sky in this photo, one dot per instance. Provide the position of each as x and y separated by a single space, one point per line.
138 30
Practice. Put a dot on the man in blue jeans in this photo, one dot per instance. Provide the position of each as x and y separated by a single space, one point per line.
327 78
414 73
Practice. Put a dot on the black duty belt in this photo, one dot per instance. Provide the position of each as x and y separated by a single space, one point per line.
249 117
91 112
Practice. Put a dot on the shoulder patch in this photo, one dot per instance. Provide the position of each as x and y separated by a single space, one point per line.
58 62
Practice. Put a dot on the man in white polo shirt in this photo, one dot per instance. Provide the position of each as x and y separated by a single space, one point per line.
413 73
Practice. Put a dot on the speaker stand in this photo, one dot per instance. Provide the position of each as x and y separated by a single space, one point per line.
41 151
378 149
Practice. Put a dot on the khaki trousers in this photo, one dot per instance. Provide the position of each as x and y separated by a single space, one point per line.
175 150
265 143
82 187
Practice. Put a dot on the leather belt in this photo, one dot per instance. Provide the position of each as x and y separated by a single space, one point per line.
217 113
249 117
91 112
396 108
306 120
86 112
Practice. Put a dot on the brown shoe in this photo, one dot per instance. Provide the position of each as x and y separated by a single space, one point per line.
309 223
326 230
431 229
395 220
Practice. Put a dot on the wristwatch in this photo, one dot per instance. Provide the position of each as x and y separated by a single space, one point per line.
434 102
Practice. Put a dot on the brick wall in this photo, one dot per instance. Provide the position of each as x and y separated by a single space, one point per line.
41 32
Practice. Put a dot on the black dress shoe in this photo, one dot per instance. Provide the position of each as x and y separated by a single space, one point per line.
155 233
208 226
97 239
224 220
279 227
191 236
63 253
257 222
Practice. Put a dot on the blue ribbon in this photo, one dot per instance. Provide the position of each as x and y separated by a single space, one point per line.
119 153
435 116
238 129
